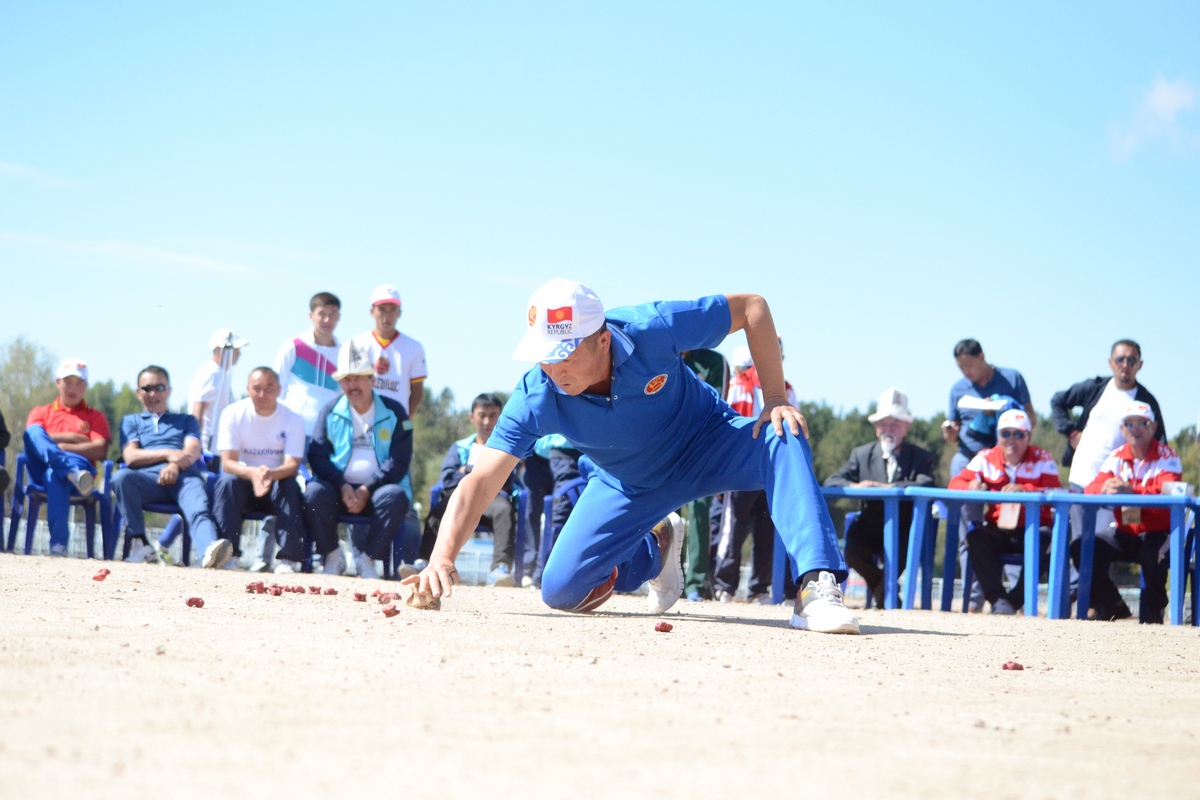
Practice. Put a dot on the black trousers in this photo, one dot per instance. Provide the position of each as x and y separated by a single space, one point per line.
864 538
745 515
1150 550
500 516
986 543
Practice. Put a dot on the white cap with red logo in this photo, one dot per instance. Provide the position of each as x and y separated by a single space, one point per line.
560 315
1139 409
72 367
385 293
1014 418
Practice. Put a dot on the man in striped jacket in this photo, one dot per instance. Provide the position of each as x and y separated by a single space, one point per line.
1140 466
1013 465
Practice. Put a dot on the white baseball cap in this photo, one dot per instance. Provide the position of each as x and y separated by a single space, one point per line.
1014 418
72 367
385 293
741 358
561 314
225 337
1138 409
353 360
892 403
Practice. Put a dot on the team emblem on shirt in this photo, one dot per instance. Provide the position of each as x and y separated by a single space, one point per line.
382 365
384 435
84 427
656 384
532 315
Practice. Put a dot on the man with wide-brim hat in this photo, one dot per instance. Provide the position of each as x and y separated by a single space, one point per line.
359 455
655 437
889 461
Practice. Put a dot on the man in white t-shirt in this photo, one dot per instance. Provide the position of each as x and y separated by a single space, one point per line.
360 452
1097 431
206 383
261 442
399 359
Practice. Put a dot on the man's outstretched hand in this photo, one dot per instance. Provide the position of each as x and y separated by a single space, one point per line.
435 581
777 412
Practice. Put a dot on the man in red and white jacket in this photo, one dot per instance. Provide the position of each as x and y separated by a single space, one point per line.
1013 465
1140 466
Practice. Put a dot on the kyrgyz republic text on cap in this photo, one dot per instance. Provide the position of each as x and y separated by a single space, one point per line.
560 315
384 294
1139 409
72 367
1014 418
225 337
353 360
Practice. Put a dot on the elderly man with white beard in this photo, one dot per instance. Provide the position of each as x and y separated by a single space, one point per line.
887 462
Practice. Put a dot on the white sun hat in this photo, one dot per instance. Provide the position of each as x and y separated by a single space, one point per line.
892 403
353 360
561 314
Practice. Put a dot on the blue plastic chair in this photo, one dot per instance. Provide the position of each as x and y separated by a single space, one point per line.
170 509
25 491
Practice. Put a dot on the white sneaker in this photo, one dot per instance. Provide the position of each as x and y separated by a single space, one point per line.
723 596
83 481
217 554
161 554
260 566
1003 607
666 589
366 566
58 550
233 563
819 608
143 554
285 567
335 563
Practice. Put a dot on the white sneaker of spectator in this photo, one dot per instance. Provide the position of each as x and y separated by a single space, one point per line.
142 554
335 563
83 481
285 567
366 566
217 554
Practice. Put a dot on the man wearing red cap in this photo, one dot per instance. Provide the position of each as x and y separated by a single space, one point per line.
655 437
1140 466
62 443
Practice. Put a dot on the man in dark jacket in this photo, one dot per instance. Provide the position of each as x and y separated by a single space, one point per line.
887 462
360 451
1097 432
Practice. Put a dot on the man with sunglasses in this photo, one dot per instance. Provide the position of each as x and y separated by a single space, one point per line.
1014 465
161 451
1096 432
1141 466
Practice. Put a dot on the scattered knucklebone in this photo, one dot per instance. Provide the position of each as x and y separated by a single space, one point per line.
275 591
1011 665
101 575
376 593
664 627
195 602
314 590
390 611
388 597
426 602
360 597
331 591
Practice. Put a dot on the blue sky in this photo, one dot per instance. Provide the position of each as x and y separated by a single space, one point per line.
891 177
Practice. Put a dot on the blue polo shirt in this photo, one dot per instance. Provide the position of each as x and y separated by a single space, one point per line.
1005 382
656 407
166 432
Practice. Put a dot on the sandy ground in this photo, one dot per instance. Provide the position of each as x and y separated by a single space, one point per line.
118 689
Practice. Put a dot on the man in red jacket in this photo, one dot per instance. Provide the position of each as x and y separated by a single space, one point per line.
1013 465
1140 466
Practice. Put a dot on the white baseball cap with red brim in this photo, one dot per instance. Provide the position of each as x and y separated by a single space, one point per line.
561 314
385 294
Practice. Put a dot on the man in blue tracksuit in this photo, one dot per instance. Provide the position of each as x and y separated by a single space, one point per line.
360 450
658 437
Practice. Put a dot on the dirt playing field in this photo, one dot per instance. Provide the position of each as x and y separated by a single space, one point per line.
119 689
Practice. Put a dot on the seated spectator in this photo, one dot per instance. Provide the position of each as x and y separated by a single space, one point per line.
261 442
1141 466
5 437
889 461
1014 465
62 443
360 452
501 513
161 451
563 461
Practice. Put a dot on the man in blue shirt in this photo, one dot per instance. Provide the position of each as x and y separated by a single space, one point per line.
161 451
657 437
973 429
